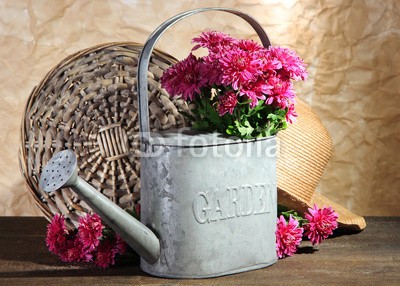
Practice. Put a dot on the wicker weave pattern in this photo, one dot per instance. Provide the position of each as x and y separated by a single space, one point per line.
88 103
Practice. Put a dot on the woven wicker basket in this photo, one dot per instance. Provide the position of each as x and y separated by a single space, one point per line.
88 103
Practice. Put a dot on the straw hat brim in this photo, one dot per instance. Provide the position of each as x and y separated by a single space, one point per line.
305 148
346 220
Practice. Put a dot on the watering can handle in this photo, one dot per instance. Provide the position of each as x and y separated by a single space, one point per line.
148 47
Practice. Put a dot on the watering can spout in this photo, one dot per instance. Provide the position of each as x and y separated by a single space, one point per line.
61 172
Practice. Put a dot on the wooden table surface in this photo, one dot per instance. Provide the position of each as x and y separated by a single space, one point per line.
371 257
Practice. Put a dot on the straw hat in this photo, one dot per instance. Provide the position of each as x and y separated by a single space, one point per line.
304 150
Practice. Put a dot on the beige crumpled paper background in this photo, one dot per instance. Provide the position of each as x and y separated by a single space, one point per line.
352 48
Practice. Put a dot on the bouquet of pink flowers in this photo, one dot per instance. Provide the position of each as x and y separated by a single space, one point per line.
317 225
91 242
240 88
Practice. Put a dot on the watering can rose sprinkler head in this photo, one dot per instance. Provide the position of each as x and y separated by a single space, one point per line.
61 172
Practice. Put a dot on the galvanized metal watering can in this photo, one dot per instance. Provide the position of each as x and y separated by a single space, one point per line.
208 203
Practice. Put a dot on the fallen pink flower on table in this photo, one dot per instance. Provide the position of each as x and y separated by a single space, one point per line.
288 236
321 223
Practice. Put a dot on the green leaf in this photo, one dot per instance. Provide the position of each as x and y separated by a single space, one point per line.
201 125
260 121
245 129
286 213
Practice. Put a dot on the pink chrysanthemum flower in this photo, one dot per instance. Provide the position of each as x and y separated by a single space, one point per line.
256 91
292 64
212 69
56 234
239 67
105 254
70 253
120 246
75 251
288 236
214 41
227 103
269 63
249 46
90 231
321 223
85 255
281 93
291 114
185 78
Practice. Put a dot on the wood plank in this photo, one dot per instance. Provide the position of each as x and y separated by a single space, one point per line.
371 257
